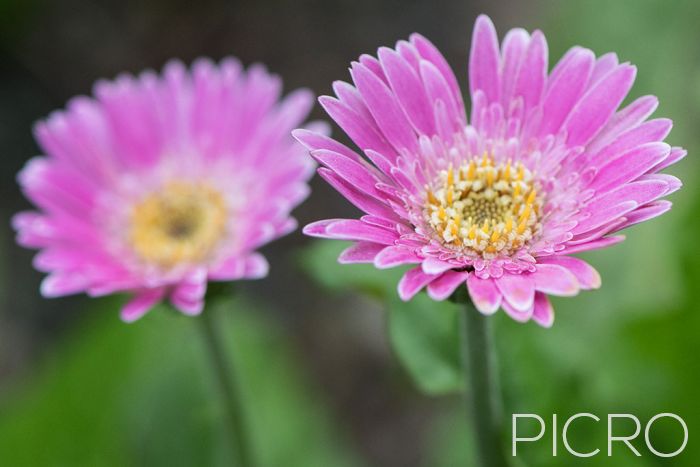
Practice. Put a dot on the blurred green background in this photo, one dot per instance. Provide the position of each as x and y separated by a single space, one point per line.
335 371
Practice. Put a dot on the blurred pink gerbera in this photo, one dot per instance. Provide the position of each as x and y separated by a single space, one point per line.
546 167
161 183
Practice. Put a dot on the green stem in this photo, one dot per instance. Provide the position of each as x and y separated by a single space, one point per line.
483 392
225 374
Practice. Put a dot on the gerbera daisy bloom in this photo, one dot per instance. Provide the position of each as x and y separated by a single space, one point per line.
160 183
546 166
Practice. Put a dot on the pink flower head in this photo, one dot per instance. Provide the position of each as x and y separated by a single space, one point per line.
161 183
546 166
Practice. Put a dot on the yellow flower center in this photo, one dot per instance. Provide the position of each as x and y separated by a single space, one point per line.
182 223
484 207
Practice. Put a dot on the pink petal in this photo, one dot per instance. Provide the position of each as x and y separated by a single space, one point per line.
432 265
603 216
629 117
517 289
349 95
363 201
629 166
255 266
429 52
598 105
543 313
374 66
603 66
484 294
484 60
533 71
350 229
641 192
360 252
318 228
647 132
141 303
384 107
393 256
586 275
355 173
521 316
647 212
409 90
61 284
564 91
593 245
674 156
365 134
186 306
188 295
312 141
514 46
413 282
438 90
444 286
555 280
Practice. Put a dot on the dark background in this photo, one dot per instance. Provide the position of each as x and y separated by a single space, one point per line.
641 319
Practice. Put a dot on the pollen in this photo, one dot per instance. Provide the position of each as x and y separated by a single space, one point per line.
181 223
488 208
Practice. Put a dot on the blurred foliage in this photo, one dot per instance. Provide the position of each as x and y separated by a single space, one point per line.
423 333
113 394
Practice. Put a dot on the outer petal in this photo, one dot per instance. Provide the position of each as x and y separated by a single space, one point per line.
598 104
593 245
555 280
188 295
140 304
533 71
60 284
564 91
384 108
543 313
365 134
587 277
393 256
484 294
484 60
409 90
521 316
433 265
517 289
444 286
514 46
360 252
413 282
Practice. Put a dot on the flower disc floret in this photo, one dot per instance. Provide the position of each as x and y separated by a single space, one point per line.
484 207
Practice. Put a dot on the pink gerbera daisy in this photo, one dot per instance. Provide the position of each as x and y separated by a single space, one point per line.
547 166
159 184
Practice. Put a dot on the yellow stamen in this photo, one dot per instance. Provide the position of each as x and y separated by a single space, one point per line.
180 224
495 213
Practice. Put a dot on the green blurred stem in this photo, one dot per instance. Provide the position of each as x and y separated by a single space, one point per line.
482 389
225 374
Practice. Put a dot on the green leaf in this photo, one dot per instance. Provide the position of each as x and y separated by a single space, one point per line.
425 336
423 333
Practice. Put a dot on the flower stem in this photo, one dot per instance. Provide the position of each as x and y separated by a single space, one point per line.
483 392
225 374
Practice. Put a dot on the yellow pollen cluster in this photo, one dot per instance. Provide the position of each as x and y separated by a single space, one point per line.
484 207
181 223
